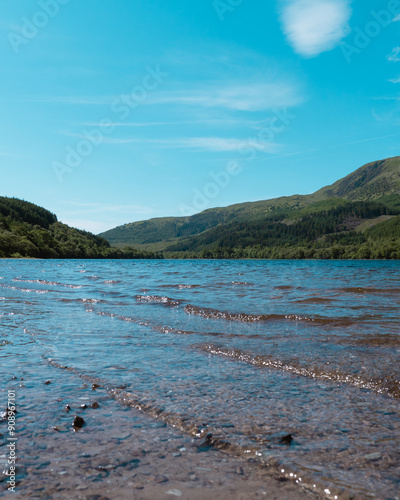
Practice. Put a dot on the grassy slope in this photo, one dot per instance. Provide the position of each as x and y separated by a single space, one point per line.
376 180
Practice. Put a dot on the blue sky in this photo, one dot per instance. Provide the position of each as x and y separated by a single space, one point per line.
120 111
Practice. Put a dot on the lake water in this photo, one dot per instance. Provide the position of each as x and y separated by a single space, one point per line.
249 351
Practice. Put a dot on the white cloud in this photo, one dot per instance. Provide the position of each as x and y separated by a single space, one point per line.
395 80
214 144
397 18
240 97
315 26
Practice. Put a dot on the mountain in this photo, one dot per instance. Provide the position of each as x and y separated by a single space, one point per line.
371 193
27 230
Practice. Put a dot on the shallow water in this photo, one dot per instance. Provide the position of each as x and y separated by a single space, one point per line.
250 351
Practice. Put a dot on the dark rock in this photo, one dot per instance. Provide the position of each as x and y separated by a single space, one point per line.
160 479
48 382
94 387
286 439
83 406
78 422
67 408
95 405
206 443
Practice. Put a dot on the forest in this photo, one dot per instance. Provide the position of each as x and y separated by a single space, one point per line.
310 233
27 230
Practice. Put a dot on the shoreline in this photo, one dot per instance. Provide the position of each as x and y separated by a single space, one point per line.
121 452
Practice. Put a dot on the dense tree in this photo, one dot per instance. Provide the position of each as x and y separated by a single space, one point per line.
27 230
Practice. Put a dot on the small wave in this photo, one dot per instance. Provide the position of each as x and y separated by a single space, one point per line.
181 286
209 313
156 299
84 301
44 282
26 290
389 386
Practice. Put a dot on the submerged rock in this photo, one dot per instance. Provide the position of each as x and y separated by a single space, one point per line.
206 443
60 428
78 422
95 405
286 439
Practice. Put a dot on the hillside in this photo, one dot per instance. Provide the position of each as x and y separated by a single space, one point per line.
329 229
27 230
376 181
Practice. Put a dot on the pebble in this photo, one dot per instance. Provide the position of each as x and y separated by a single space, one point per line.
175 493
373 456
95 405
160 479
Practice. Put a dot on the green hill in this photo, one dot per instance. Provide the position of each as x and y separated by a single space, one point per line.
366 197
27 230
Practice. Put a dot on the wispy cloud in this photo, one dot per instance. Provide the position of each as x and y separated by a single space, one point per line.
209 121
239 97
315 26
242 96
395 80
212 144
